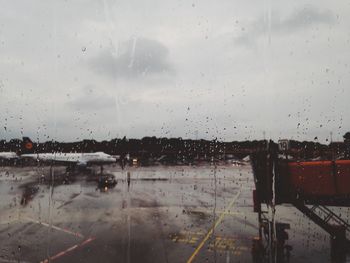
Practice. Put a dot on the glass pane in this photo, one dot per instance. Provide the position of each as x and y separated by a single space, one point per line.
174 131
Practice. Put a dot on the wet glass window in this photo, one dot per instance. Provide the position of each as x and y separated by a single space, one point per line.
174 131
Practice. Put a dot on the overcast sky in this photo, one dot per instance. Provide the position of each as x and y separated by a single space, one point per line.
228 69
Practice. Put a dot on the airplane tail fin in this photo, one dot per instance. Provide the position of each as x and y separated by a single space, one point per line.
27 145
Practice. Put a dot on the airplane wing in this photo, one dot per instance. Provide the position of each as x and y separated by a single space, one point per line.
80 163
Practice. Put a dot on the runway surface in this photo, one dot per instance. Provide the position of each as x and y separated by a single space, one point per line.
160 214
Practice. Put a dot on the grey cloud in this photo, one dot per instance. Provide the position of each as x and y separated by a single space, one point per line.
306 17
42 54
92 100
299 20
138 57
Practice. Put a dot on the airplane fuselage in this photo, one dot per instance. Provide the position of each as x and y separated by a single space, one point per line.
82 159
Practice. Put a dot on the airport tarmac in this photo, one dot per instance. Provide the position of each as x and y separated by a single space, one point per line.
152 214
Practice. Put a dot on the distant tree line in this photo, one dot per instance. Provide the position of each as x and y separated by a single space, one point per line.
156 147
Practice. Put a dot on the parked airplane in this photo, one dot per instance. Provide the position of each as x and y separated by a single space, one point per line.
8 155
72 159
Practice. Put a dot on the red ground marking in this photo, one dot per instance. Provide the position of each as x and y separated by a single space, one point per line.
68 250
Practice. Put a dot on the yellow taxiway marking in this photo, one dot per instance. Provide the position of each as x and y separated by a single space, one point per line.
186 237
226 244
220 243
210 232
